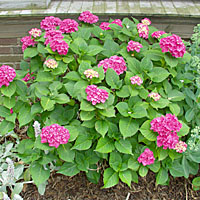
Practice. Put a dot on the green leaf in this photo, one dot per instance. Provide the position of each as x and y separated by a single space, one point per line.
8 90
68 169
124 92
115 161
170 60
175 95
162 154
138 112
112 79
4 112
38 173
155 166
24 116
83 142
110 178
85 116
93 176
9 102
74 76
73 131
108 112
44 77
162 177
146 64
123 108
189 115
105 145
82 162
41 48
110 48
133 164
61 99
94 50
86 106
30 52
84 66
128 127
68 58
65 153
158 74
174 108
55 86
143 171
47 103
161 103
134 65
101 127
196 181
6 127
126 177
184 130
124 146
134 177
146 132
194 156
43 146
186 167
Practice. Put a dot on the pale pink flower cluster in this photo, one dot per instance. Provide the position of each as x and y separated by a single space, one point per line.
60 46
105 25
174 45
96 95
7 74
90 73
49 23
136 80
181 147
68 26
51 63
146 158
146 21
27 41
54 135
157 34
28 77
52 35
117 63
35 32
88 17
143 30
155 96
134 46
167 128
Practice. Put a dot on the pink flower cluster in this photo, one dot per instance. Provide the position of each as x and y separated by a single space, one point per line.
60 46
7 74
136 80
134 46
28 77
52 35
51 63
105 25
155 96
54 135
90 73
143 30
146 21
88 17
27 41
181 147
174 45
49 23
167 128
68 26
96 95
35 32
117 63
157 34
147 157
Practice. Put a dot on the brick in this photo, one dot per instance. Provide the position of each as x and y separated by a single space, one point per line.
10 64
5 50
10 58
6 41
17 50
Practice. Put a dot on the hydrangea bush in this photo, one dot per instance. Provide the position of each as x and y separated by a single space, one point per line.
107 99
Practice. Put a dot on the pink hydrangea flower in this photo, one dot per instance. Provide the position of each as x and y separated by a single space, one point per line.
88 17
146 21
68 26
146 158
157 34
155 96
105 26
60 46
7 74
136 80
11 111
90 73
54 135
181 147
49 23
28 77
117 63
35 32
118 22
52 35
51 63
174 45
134 46
143 30
27 41
96 95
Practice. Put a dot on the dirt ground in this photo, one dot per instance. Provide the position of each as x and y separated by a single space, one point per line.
79 188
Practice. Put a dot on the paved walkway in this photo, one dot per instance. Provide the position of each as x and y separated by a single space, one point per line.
186 8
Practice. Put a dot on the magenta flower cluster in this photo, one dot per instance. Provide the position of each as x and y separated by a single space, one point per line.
27 42
157 34
88 17
136 80
68 26
49 23
147 157
96 95
28 77
52 35
105 25
60 46
167 128
54 135
143 30
174 45
7 74
117 63
134 46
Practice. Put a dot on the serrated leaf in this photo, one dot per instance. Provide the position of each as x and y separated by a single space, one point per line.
133 164
68 169
83 142
124 146
143 171
105 145
8 90
126 177
101 127
123 108
158 74
112 79
146 132
115 161
47 103
65 153
86 106
161 177
110 178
